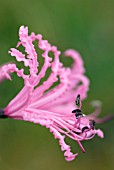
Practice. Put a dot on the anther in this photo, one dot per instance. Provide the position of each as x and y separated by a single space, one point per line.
84 128
2 115
78 113
92 124
78 133
78 100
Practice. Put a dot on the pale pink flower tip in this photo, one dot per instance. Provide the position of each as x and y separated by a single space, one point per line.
51 106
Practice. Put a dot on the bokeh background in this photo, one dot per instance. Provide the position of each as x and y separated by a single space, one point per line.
87 26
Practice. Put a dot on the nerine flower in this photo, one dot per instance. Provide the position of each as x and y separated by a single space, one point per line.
55 107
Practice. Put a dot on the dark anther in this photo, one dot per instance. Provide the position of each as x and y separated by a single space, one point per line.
78 113
2 115
92 124
78 100
78 133
74 111
84 128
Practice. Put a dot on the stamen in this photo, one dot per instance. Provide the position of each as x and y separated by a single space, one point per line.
78 100
78 133
2 115
74 111
78 113
84 128
92 124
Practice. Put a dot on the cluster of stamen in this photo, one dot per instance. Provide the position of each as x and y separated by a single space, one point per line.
79 115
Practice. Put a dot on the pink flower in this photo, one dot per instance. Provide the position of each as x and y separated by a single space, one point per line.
48 105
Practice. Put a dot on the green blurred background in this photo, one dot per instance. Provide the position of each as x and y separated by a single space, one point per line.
87 26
